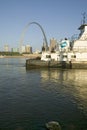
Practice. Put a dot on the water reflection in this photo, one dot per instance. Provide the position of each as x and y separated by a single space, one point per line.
73 84
65 76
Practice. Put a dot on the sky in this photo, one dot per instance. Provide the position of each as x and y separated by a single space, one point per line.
58 18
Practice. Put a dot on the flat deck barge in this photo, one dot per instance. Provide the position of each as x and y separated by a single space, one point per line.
34 63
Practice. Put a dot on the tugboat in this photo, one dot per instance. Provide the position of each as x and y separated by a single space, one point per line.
70 54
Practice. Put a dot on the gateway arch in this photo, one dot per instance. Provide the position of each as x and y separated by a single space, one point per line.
24 31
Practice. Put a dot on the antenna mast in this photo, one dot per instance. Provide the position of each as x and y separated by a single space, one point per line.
84 17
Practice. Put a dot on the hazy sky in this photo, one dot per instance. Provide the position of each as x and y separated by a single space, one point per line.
59 19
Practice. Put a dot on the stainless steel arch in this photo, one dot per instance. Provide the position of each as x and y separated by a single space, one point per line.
24 31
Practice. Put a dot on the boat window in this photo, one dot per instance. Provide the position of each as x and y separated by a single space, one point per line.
48 56
73 56
64 56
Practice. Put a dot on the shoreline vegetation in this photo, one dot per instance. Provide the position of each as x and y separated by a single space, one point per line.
30 56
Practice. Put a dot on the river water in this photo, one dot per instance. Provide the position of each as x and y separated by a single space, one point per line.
31 98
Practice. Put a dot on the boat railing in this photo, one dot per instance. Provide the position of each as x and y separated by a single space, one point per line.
80 49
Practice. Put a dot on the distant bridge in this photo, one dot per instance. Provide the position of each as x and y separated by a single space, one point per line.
24 31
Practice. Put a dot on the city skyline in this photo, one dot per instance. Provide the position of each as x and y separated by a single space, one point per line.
59 19
52 45
25 48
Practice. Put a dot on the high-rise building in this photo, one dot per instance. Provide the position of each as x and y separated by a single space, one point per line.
53 43
23 49
6 48
14 49
45 46
28 49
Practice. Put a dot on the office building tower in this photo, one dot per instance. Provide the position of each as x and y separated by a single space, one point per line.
28 49
6 48
53 43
